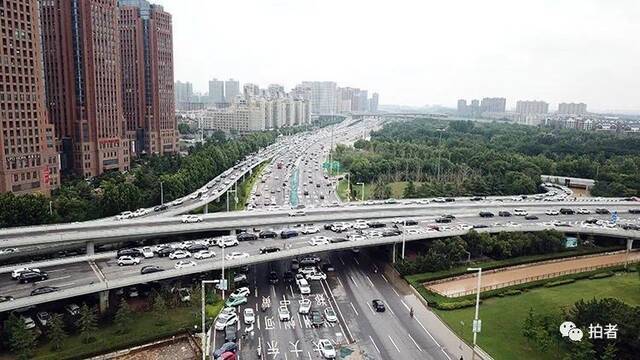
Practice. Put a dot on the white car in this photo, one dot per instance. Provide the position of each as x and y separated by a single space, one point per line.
228 310
584 211
128 260
227 241
413 231
147 252
283 313
318 240
184 264
179 254
204 254
317 275
249 316
307 270
310 230
520 212
240 292
28 322
439 200
177 202
304 287
194 195
326 349
360 226
357 237
236 255
297 213
305 306
188 219
225 319
15 274
552 212
124 215
330 315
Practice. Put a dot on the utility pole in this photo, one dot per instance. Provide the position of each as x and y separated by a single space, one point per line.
477 324
404 236
161 193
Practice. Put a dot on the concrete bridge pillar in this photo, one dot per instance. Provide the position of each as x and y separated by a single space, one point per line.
629 247
393 253
104 301
90 248
206 208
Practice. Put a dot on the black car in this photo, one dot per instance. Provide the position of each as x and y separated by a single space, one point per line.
602 211
378 305
287 277
43 290
6 298
327 226
267 234
160 208
306 192
32 276
295 264
504 213
567 211
480 226
196 247
531 217
476 198
269 249
321 197
328 267
246 237
316 318
391 232
229 346
443 220
634 211
486 214
148 269
164 251
377 224
285 234
336 240
273 278
449 199
449 216
130 252
231 333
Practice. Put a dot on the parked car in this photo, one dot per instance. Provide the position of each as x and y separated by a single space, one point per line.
236 301
230 347
43 318
240 292
225 319
231 333
249 316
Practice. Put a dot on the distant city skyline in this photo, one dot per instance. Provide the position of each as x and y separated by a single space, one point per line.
469 50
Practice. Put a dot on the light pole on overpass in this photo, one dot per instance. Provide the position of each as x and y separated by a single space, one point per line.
476 322
203 297
404 236
361 195
161 193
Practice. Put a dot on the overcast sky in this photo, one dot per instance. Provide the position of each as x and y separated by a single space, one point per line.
418 52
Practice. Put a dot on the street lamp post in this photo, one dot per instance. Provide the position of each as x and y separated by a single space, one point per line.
203 298
161 193
361 195
476 322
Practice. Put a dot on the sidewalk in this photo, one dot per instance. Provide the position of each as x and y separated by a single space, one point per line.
439 332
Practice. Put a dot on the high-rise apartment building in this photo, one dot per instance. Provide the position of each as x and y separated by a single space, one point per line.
572 108
216 91
231 90
374 102
323 96
83 77
275 91
494 105
532 107
28 159
146 48
249 90
184 91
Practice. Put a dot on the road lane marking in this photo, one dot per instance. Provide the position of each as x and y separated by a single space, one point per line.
354 308
405 305
370 282
56 270
374 344
385 279
339 311
339 281
352 280
394 290
394 343
66 284
370 308
411 337
434 339
356 260
342 261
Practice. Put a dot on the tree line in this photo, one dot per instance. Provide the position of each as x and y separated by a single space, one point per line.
114 192
461 158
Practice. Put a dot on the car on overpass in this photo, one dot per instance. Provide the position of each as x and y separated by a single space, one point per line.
486 214
184 264
297 213
189 219
15 274
236 255
148 269
128 260
32 276
267 234
552 212
179 254
227 241
204 254
269 249
318 240
43 290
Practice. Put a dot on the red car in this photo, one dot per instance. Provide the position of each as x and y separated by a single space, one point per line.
227 356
